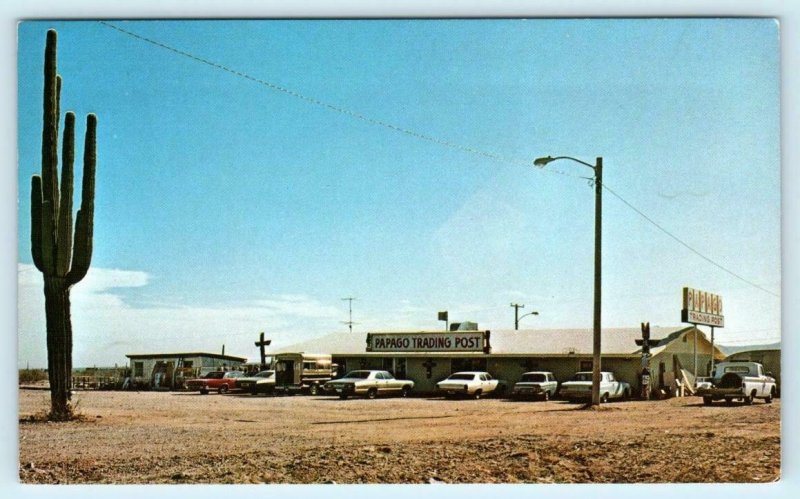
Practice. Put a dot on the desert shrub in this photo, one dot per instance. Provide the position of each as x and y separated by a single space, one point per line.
27 376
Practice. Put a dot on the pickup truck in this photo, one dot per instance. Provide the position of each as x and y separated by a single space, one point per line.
745 381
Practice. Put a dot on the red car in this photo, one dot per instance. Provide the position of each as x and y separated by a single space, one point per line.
222 381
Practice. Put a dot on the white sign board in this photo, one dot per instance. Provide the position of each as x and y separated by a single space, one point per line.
454 341
702 307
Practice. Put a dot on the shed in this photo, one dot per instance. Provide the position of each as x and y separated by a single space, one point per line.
169 370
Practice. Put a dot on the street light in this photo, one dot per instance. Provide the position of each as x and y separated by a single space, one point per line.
518 317
598 219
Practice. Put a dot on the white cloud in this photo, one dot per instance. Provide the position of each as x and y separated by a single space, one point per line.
105 327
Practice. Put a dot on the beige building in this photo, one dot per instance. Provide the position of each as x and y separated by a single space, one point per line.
511 353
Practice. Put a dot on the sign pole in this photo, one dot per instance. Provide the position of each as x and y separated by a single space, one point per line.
695 351
712 351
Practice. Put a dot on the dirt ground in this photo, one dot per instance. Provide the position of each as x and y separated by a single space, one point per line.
179 437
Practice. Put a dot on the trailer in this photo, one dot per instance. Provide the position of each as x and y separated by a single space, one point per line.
302 372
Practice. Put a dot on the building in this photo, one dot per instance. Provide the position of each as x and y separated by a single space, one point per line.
168 370
427 357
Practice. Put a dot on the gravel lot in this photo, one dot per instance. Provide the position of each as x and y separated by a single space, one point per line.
179 437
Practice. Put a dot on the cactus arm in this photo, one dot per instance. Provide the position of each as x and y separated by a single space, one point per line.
50 128
36 222
64 228
84 223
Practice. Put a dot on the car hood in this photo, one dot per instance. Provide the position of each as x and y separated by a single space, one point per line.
256 380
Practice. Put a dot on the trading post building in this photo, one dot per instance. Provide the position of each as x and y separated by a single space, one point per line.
427 357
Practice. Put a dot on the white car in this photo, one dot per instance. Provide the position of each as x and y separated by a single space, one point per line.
536 384
368 383
579 388
475 384
262 382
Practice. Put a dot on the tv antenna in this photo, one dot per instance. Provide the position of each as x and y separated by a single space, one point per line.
350 321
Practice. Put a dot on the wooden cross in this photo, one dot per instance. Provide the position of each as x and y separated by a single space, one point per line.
429 365
261 343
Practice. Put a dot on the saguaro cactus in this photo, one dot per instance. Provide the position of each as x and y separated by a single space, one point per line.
62 259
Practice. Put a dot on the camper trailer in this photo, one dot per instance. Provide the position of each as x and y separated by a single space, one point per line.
302 372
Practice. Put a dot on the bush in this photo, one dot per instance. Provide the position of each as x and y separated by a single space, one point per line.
27 376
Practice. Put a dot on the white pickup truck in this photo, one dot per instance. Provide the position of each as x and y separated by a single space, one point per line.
739 380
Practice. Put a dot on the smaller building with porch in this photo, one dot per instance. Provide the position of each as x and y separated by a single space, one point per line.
167 371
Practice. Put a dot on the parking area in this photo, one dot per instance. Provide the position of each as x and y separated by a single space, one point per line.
181 437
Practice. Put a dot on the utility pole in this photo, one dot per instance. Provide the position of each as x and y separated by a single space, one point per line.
516 306
518 317
350 321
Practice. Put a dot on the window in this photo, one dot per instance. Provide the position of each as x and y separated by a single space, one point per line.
585 365
138 369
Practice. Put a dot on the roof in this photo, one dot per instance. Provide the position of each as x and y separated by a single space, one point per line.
619 341
231 358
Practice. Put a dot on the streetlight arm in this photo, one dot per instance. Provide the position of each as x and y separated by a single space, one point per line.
542 162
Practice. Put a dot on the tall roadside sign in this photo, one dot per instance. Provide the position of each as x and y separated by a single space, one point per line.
702 307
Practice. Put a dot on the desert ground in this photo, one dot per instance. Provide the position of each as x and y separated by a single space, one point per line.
181 437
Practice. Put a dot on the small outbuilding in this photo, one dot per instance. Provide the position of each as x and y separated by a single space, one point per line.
427 357
169 370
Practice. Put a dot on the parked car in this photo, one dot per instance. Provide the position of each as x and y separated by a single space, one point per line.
475 384
368 383
535 384
579 388
222 381
261 382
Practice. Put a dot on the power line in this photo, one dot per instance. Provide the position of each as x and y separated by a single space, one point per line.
686 245
421 136
331 107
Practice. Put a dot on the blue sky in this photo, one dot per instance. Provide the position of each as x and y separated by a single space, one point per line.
226 207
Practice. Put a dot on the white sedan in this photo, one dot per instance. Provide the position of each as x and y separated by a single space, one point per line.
475 384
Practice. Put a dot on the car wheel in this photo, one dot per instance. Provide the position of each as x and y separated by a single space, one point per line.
546 396
604 398
343 396
626 395
477 395
728 401
223 389
748 399
204 391
372 393
313 389
769 398
707 400
404 391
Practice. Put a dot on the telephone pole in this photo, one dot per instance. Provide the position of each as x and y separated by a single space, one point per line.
350 321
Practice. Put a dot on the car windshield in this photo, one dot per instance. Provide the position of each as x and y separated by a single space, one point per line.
358 374
214 375
265 374
462 376
582 377
536 378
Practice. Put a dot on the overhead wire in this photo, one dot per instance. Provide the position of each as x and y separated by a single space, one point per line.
422 136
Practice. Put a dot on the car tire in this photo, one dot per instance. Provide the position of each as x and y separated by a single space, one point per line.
769 398
372 393
707 400
626 395
604 398
223 389
343 396
748 399
477 394
546 396
404 391
728 401
204 391
313 389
